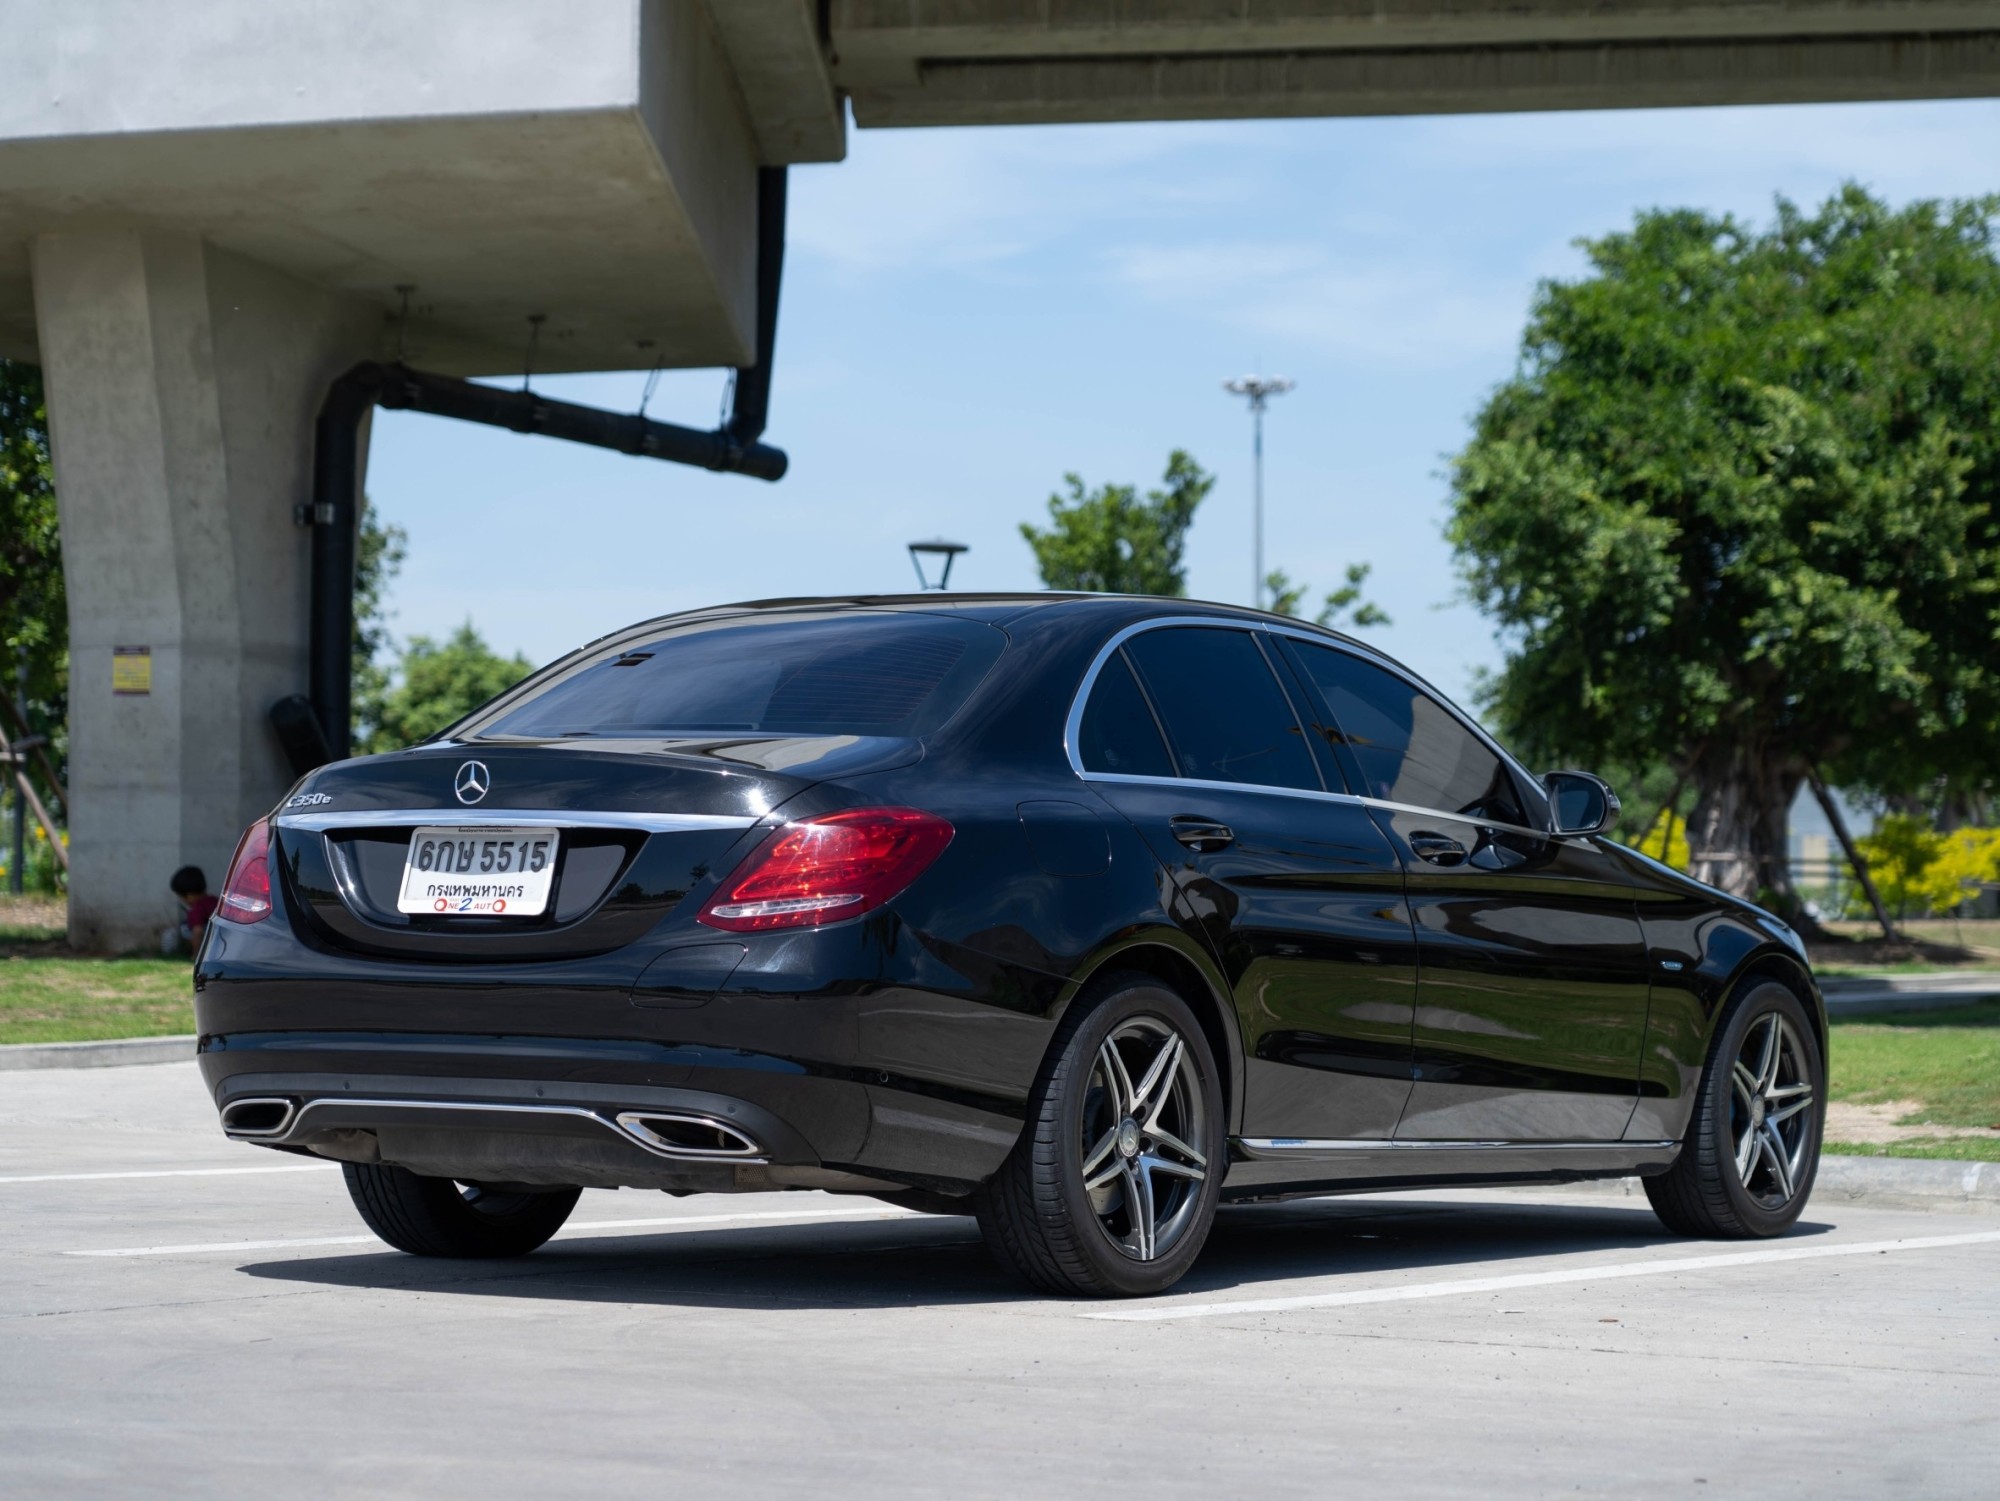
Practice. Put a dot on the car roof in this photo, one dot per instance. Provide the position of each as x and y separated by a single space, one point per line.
1050 608
1001 608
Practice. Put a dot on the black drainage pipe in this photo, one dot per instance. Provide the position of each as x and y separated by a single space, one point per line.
330 618
732 448
402 389
750 403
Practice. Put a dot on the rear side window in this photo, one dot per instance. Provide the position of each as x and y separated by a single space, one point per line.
1118 733
886 674
1226 718
1408 746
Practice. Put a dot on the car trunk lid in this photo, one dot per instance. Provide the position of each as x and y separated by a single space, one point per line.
636 826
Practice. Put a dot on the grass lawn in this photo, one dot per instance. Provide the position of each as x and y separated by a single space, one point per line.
49 994
67 998
1936 1148
1949 1061
1928 946
1861 971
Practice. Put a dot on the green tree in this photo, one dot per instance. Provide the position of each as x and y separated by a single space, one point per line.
1109 541
1900 853
1918 869
379 554
438 683
1344 607
1734 513
34 613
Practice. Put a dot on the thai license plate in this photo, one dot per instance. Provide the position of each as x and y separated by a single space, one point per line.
480 870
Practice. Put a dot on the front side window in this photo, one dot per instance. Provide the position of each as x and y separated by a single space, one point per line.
892 673
1408 746
1226 718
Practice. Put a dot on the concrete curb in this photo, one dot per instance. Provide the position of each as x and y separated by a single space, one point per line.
1875 994
20 1055
1875 1182
1909 1183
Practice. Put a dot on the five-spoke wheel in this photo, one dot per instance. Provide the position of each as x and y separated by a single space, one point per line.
1752 1146
1112 1187
1140 1169
1770 1116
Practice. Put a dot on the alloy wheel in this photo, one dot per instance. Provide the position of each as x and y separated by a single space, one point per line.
1771 1111
1142 1109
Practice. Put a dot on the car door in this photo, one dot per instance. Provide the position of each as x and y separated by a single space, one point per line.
1532 991
1188 731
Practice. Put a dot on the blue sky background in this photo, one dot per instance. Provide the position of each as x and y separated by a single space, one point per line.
968 314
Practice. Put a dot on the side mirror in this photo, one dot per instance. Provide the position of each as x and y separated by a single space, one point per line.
1580 803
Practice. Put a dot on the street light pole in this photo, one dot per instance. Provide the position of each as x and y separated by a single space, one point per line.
937 548
1259 389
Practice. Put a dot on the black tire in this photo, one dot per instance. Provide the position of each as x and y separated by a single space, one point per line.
436 1217
1038 1215
1705 1193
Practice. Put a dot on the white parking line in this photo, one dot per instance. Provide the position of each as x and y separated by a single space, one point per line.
175 1172
588 1226
1162 1312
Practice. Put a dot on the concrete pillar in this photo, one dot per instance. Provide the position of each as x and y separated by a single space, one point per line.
182 386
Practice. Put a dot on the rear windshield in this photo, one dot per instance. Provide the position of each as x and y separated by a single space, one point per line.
887 674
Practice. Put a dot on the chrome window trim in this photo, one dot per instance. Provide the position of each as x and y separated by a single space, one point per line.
540 818
1483 823
1146 781
1396 669
1280 1145
1073 724
1324 797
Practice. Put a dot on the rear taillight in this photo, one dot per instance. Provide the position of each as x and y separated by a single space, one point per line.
246 894
823 870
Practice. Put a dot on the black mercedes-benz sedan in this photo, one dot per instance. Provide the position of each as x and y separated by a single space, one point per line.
1080 914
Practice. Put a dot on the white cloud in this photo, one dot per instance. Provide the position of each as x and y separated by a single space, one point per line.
972 198
1384 305
1742 154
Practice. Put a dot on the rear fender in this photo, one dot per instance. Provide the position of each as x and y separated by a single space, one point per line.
1182 963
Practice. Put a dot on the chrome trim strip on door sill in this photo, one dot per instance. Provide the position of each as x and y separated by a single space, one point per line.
540 818
1285 1145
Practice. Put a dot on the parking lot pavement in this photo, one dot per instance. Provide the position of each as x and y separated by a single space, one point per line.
212 1320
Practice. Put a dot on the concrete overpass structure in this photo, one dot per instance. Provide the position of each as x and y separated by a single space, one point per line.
207 213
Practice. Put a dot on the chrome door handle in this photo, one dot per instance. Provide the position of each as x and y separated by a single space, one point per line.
1439 849
1201 834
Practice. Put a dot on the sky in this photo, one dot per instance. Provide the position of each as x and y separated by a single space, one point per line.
968 315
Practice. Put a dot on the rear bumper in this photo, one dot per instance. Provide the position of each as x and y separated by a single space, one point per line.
596 1112
857 1049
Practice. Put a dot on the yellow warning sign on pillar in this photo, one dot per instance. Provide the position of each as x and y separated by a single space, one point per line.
131 670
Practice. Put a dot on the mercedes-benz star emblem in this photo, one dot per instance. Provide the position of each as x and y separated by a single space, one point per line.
471 782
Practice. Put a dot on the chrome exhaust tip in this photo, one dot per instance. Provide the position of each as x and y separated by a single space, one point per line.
259 1119
697 1138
